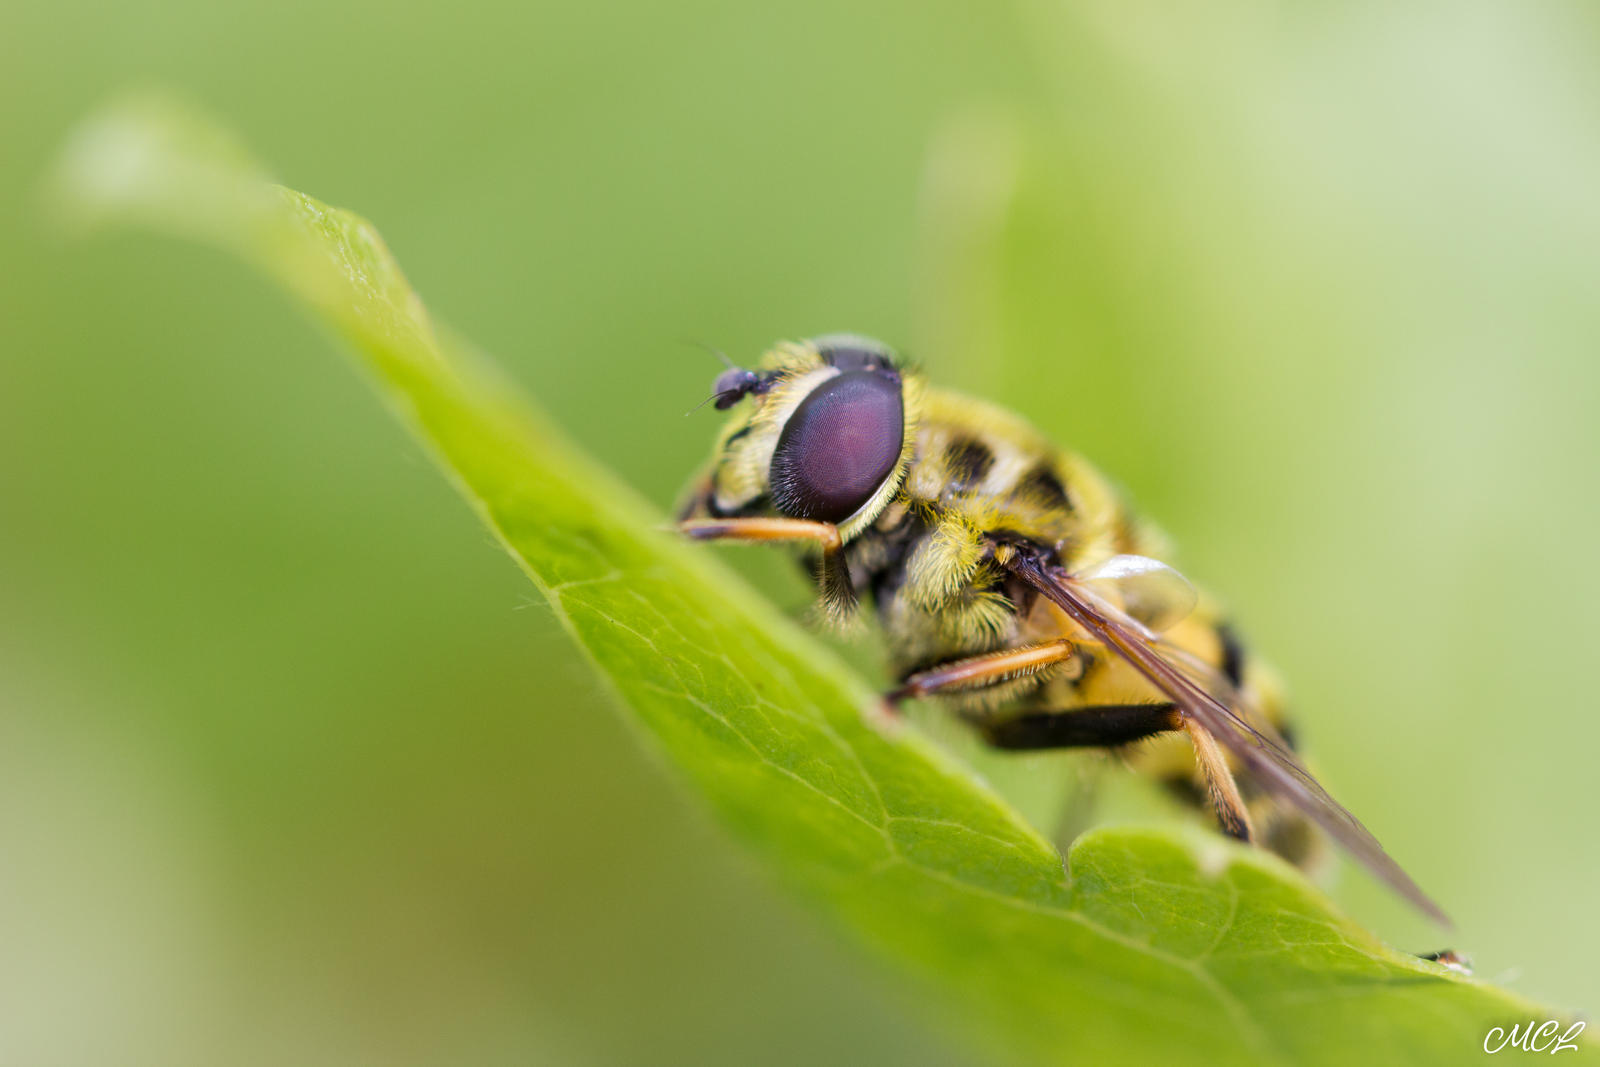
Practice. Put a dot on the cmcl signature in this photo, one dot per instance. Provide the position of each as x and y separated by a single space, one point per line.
1543 1039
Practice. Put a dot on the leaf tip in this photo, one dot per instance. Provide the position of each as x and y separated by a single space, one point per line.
145 153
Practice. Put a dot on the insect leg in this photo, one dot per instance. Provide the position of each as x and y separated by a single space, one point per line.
837 592
1101 726
979 671
1226 803
825 534
1110 725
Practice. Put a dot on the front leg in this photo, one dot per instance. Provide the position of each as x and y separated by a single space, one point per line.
838 595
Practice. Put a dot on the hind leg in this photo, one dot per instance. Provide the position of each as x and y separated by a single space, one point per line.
1113 725
1102 726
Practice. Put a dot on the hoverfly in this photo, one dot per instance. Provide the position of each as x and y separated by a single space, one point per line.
1011 583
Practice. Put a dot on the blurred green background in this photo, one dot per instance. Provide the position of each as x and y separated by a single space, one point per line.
293 766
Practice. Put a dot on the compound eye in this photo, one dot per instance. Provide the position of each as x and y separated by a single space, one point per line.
838 447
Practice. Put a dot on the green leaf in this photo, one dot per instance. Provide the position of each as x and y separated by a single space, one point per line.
1163 943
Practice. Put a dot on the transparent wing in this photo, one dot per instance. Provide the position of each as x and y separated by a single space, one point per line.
1148 591
1214 682
1157 597
1271 764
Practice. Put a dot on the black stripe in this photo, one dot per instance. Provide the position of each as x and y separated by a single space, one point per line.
1232 654
968 461
1044 486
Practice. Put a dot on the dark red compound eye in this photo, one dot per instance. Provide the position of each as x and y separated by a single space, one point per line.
839 446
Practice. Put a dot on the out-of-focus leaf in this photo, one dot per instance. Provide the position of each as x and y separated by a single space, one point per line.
1162 945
